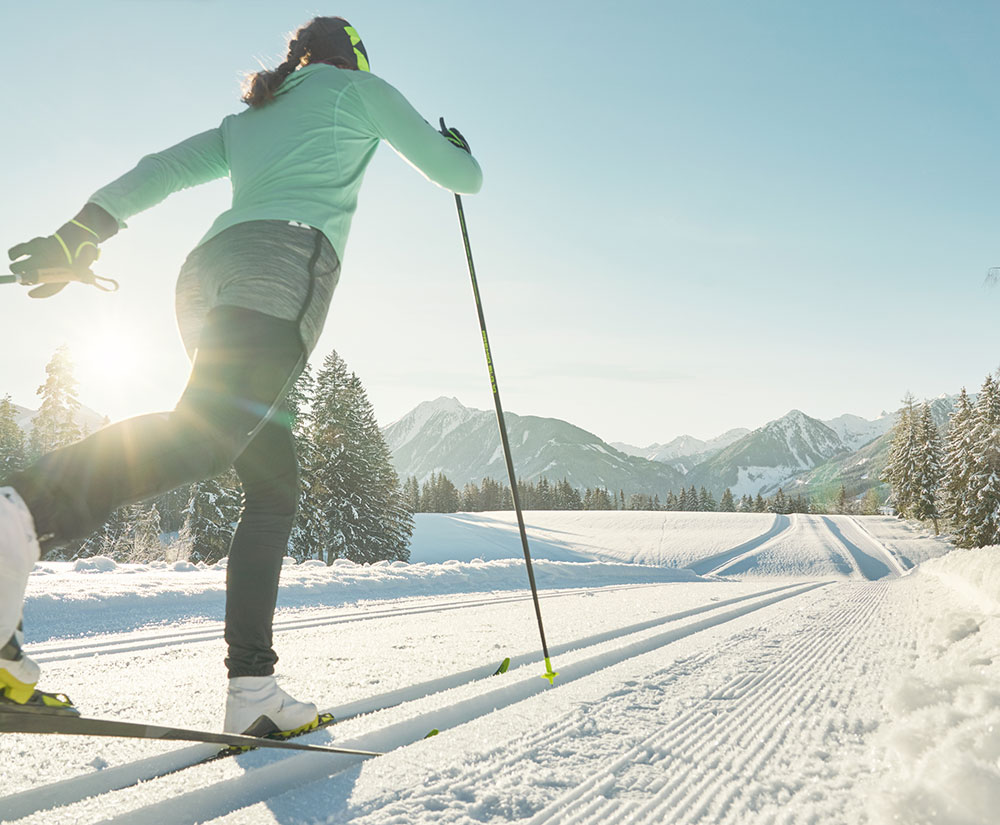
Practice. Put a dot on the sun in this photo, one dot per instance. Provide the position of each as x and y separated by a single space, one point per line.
109 366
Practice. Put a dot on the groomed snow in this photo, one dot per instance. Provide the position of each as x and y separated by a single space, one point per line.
665 539
746 671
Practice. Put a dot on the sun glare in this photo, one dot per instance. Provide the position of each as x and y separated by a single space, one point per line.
108 368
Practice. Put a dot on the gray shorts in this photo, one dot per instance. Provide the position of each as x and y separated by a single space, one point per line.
282 269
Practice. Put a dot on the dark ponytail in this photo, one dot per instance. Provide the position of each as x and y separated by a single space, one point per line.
260 87
321 40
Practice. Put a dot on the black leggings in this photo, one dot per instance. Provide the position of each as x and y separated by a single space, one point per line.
230 415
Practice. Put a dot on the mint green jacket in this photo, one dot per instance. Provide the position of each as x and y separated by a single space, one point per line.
300 158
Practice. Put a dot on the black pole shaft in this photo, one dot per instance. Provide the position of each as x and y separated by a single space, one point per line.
503 430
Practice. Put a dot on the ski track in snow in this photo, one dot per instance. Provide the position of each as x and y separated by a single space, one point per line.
813 545
724 760
63 650
753 702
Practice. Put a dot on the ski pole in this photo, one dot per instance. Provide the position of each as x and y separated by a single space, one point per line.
549 673
61 275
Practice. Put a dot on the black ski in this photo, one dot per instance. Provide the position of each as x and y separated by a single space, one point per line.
14 721
326 720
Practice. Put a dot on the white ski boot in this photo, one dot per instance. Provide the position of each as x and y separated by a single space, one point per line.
18 553
256 706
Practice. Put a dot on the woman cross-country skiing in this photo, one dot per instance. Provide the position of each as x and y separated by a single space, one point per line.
251 301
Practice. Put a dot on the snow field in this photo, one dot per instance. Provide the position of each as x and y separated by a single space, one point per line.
663 539
781 698
730 544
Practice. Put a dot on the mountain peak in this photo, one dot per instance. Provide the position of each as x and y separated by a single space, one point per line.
443 403
445 412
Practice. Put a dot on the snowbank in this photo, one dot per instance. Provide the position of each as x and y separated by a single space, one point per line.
106 597
943 743
907 541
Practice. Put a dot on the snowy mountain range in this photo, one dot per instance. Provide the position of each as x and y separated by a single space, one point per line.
799 453
443 436
685 451
770 456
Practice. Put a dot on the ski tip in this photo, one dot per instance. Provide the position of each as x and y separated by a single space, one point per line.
504 667
433 732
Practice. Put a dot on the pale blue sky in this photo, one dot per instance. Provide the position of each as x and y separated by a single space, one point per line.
695 215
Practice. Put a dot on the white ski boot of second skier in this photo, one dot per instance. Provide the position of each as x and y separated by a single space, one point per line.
18 553
256 706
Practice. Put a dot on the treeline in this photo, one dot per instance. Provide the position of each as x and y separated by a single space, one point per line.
350 506
439 495
955 478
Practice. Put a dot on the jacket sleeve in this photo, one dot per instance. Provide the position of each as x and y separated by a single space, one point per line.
198 159
394 120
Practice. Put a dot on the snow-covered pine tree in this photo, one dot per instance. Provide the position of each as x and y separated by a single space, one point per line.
469 499
213 508
309 530
901 472
981 519
109 538
13 447
366 518
411 494
598 499
495 496
145 544
842 505
726 504
54 426
439 495
543 493
706 501
957 462
928 467
780 503
870 503
567 496
389 523
688 500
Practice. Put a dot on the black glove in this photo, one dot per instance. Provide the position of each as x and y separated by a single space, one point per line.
65 256
454 136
